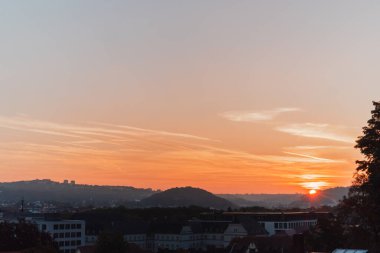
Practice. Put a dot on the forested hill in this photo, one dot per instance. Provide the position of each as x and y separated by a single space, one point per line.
47 190
186 196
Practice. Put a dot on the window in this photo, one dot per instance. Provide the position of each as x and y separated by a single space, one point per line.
55 235
285 225
275 225
61 235
61 226
79 226
67 226
43 227
60 243
73 234
79 242
79 234
67 243
67 234
55 227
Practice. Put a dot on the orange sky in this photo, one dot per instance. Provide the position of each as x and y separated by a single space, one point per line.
248 97
315 155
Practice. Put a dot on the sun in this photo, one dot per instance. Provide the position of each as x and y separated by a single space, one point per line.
312 192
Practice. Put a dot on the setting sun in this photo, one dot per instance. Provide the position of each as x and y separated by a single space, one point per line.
312 192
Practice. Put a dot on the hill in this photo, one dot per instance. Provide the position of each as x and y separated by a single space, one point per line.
76 194
186 196
328 197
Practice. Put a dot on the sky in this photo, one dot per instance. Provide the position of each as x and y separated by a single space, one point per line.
229 96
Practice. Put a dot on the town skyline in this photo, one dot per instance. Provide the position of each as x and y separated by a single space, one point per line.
162 95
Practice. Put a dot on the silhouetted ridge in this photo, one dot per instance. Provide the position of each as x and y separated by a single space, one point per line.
79 194
186 196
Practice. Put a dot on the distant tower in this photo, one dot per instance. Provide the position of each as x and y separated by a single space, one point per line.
377 108
65 181
72 182
21 215
22 205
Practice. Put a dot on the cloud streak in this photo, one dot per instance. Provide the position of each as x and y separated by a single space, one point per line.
118 153
319 131
246 116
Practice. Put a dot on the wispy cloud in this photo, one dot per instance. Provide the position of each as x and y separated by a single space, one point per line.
247 116
319 159
318 147
115 152
315 185
321 131
88 132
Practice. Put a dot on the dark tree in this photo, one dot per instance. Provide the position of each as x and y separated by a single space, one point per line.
22 236
362 207
110 242
326 236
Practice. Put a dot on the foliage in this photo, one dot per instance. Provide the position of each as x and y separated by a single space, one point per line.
326 236
110 242
119 218
362 207
22 235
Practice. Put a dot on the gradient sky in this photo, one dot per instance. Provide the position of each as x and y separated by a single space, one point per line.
230 96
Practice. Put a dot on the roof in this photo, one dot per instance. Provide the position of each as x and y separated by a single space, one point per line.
262 243
213 227
252 226
350 251
57 221
240 245
165 228
278 216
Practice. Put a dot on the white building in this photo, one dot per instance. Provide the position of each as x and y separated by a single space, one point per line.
282 222
69 234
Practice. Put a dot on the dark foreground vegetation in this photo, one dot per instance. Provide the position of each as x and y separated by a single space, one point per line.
355 222
26 237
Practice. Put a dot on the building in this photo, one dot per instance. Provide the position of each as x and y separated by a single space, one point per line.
194 234
212 231
69 234
281 222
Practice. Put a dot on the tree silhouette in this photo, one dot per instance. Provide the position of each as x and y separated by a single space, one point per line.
362 207
22 235
110 242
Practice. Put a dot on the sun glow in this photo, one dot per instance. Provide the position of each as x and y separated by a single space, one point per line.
312 192
314 185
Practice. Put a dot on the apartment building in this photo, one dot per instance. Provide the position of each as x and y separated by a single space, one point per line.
69 234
